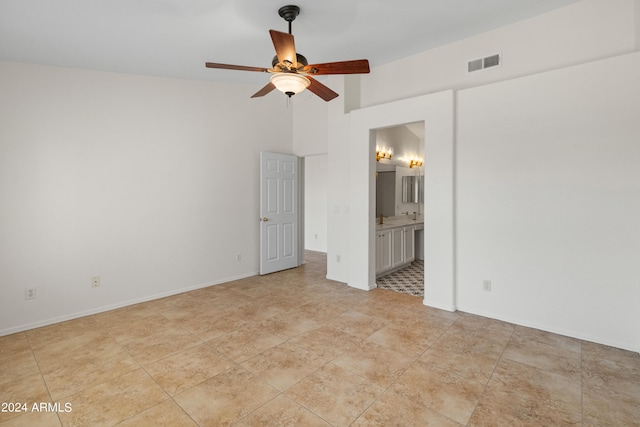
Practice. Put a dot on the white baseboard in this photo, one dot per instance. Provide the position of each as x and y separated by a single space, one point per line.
581 336
79 314
451 308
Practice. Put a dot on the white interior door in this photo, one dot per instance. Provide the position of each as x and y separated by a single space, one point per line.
278 212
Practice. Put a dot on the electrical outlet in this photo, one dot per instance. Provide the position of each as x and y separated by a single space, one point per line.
30 293
486 285
337 258
95 282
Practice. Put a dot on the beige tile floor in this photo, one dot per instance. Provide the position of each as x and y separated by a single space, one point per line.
294 349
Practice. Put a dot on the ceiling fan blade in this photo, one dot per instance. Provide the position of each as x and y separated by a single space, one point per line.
360 66
321 90
285 46
234 67
265 90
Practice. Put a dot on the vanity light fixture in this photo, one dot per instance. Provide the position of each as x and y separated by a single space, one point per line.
383 153
415 162
290 83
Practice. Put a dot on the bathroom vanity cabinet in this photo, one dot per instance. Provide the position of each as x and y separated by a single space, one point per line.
395 245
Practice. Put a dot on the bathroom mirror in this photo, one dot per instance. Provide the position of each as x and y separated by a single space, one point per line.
412 186
386 193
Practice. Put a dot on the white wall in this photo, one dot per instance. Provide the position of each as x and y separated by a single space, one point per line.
588 30
310 130
149 183
338 177
580 32
637 23
315 203
548 201
310 133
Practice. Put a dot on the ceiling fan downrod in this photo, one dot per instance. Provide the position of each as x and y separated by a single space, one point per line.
289 14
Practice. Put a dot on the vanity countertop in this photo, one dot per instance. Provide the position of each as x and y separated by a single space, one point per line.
399 221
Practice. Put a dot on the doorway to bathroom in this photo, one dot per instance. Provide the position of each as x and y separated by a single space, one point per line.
399 216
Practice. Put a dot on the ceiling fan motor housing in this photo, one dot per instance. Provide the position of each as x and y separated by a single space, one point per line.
300 59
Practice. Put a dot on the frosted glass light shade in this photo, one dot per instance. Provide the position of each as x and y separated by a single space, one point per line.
290 83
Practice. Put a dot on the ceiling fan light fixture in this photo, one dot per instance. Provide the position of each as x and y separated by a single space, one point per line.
290 83
291 71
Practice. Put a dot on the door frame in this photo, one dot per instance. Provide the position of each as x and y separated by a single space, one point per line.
437 112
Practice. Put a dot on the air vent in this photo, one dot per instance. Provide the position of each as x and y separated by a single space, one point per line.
475 65
492 61
482 63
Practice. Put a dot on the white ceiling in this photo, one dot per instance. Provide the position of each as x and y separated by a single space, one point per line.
174 38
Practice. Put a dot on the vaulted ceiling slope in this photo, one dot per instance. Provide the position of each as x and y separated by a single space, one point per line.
174 38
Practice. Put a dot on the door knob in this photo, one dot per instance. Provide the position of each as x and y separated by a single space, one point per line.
265 219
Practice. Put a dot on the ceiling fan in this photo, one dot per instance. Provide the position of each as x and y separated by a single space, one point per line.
291 71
